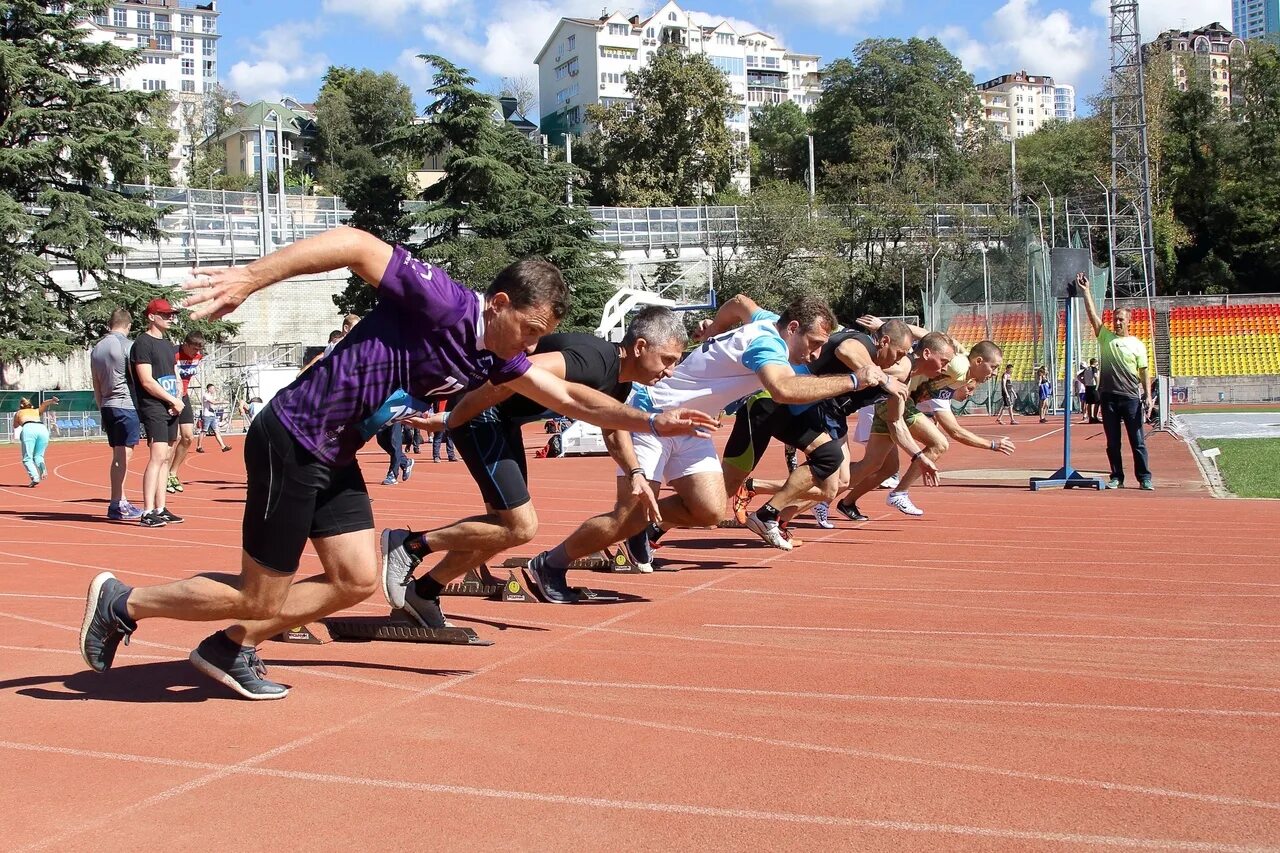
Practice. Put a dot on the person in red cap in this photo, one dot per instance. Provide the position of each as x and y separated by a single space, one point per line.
159 405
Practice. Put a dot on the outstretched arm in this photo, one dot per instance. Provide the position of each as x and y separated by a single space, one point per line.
1082 285
786 386
946 419
52 401
588 404
218 291
736 312
872 324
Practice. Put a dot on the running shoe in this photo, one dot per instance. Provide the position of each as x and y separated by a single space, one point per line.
424 611
236 666
169 517
851 511
397 565
1115 483
901 501
822 513
551 583
640 550
1147 485
407 470
769 531
101 631
891 482
785 527
172 485
123 511
226 448
390 481
152 519
33 484
741 501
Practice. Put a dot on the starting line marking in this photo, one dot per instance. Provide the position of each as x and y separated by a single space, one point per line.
1046 435
994 634
927 700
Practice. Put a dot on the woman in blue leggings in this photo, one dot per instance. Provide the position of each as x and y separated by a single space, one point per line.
33 436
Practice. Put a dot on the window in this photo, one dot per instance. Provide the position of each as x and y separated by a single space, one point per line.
210 69
188 66
671 16
208 25
618 53
188 45
164 42
144 40
207 48
209 87
156 60
188 85
100 18
119 18
153 86
619 29
144 20
731 65
573 43
162 21
187 22
724 38
648 33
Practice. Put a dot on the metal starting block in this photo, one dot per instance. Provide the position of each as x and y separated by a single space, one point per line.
731 523
614 562
395 628
584 592
482 583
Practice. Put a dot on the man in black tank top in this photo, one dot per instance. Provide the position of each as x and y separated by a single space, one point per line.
486 428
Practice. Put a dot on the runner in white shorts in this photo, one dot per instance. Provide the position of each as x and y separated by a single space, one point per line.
742 350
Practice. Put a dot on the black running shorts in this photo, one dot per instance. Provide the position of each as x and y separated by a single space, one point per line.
186 416
293 496
493 448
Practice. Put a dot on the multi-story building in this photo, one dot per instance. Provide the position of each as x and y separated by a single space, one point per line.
585 62
297 130
1016 105
1204 53
1064 102
1252 19
178 40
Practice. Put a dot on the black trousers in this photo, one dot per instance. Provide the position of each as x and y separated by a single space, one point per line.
1124 412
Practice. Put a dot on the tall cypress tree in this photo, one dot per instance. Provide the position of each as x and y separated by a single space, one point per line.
501 201
64 136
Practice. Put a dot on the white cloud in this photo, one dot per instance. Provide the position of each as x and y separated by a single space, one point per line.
387 14
840 15
511 35
740 26
280 61
1020 36
1155 18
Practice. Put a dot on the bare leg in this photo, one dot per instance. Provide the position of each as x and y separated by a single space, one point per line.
156 475
256 593
350 562
698 501
120 457
879 462
186 433
474 540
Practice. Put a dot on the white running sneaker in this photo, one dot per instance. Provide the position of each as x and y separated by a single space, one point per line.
768 531
901 501
891 482
822 513
397 565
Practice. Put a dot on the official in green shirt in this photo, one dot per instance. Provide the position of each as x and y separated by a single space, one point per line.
1124 384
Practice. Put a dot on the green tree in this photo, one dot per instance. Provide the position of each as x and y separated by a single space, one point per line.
205 118
669 143
914 93
500 201
779 143
362 120
63 136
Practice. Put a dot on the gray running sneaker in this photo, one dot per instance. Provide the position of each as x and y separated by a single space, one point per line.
551 583
236 666
640 550
397 565
101 631
423 611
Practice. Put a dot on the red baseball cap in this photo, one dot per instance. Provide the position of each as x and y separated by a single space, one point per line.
160 306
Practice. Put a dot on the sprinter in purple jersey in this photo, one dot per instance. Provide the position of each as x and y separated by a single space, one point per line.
428 338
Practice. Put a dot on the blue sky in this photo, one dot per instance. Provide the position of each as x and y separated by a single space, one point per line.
284 46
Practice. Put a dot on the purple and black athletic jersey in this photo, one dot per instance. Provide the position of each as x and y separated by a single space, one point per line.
423 342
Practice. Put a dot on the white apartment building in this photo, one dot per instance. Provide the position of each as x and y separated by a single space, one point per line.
1064 102
585 61
1016 105
178 40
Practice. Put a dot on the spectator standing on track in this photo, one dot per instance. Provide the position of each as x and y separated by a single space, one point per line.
209 405
32 436
113 392
1090 378
155 371
1044 388
1007 396
1078 385
391 439
443 436
1123 389
187 358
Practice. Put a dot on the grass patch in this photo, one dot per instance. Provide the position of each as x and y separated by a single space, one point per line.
1250 466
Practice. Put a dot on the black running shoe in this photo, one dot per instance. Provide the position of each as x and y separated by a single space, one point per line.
169 517
850 511
102 631
152 519
424 611
550 582
236 666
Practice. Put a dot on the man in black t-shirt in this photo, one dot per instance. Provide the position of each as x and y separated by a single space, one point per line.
486 428
159 405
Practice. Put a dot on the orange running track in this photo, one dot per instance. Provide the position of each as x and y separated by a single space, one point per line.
1013 671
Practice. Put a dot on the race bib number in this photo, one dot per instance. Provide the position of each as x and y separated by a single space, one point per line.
169 384
399 406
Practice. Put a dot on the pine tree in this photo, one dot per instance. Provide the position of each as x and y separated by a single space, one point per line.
501 200
63 136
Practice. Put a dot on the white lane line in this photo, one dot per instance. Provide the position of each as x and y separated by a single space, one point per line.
1086 592
647 806
922 700
991 634
1045 435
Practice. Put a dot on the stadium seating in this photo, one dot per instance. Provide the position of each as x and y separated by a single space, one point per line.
1224 340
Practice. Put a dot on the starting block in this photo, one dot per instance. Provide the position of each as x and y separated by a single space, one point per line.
394 627
482 583
731 523
614 562
585 593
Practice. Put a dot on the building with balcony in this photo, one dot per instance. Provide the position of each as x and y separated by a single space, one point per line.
585 62
1016 105
1205 53
295 122
178 40
1255 19
1064 102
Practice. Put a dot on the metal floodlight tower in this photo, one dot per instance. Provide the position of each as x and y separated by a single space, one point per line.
1133 242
